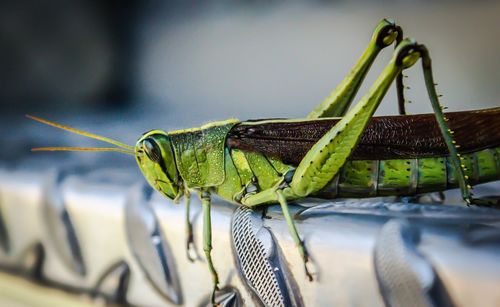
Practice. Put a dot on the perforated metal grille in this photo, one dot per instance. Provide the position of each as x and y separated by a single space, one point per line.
251 255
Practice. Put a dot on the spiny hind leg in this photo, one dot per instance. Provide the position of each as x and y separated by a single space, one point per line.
446 132
339 100
325 158
330 153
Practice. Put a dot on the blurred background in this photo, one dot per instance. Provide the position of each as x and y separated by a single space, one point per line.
124 67
120 68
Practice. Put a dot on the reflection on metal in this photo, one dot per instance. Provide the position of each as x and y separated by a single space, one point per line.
32 260
405 276
149 245
4 236
113 284
482 234
225 297
406 210
260 262
340 235
60 226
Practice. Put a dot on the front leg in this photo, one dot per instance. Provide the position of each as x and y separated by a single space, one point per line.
190 248
207 240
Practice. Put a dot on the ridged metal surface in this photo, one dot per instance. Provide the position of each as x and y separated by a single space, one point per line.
59 223
149 244
253 256
260 261
405 276
132 246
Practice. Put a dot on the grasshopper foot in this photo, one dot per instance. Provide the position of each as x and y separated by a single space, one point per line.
305 259
190 249
213 295
308 274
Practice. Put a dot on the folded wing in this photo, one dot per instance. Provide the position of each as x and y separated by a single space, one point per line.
386 137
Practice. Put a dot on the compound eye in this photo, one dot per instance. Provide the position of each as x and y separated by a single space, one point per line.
152 150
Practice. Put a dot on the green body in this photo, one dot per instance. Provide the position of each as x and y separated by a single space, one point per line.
369 178
205 164
236 172
199 160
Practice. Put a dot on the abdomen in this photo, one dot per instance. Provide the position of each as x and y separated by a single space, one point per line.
361 178
371 178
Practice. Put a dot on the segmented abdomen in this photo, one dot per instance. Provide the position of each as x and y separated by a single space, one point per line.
370 178
250 172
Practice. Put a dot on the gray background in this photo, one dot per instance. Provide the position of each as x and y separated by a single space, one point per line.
124 67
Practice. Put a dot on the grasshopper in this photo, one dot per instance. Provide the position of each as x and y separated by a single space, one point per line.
334 152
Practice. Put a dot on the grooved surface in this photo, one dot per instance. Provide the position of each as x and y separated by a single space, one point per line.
253 261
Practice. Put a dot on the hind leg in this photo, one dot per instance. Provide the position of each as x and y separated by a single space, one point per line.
325 158
329 154
339 100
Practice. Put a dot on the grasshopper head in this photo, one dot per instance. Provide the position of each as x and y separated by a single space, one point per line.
155 157
153 152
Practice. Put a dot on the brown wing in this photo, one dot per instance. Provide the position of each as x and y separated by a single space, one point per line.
386 137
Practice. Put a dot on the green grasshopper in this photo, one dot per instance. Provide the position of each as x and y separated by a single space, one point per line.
334 152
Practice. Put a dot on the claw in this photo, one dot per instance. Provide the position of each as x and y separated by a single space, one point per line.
305 258
308 274
190 250
212 296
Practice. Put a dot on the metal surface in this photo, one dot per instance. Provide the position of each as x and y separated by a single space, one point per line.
59 223
132 245
149 245
261 262
405 276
